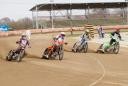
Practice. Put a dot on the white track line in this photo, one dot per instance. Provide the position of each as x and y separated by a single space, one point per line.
104 72
115 83
103 75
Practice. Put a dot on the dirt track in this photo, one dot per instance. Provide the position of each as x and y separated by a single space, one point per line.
77 69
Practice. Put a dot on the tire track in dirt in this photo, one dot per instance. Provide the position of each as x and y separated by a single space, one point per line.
102 76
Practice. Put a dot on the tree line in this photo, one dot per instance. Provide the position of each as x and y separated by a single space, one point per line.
24 23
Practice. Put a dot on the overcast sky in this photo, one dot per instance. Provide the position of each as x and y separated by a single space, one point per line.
16 9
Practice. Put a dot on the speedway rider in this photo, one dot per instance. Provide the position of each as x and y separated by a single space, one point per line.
85 35
112 40
59 40
23 42
117 32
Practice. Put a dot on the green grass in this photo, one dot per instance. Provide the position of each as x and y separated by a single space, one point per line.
77 23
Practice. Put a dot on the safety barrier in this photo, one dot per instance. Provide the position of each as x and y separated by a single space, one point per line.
36 31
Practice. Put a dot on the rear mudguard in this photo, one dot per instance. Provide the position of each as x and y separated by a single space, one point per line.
106 45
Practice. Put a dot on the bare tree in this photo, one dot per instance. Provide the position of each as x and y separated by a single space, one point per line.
102 12
121 12
5 20
25 23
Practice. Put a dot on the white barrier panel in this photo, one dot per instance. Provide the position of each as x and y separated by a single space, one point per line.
34 31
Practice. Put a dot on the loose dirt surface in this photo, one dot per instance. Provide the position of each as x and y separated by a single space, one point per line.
76 69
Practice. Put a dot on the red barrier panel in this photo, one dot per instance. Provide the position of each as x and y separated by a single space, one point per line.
50 30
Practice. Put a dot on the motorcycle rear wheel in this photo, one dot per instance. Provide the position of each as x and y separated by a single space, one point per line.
116 48
10 54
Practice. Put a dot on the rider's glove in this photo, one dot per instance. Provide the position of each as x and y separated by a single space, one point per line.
65 43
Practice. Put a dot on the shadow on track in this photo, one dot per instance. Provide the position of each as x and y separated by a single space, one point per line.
89 51
1 57
32 56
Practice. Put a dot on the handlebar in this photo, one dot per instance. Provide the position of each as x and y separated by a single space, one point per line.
17 42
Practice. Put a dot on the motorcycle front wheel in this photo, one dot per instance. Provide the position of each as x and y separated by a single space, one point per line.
74 49
20 56
116 48
10 54
85 48
61 53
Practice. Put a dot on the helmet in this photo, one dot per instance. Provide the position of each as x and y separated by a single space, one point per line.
23 35
87 30
117 29
62 33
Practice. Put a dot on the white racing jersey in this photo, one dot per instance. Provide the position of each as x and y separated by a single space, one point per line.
24 42
59 40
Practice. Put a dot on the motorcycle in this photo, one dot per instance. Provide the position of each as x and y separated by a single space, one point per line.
53 52
16 55
107 48
81 45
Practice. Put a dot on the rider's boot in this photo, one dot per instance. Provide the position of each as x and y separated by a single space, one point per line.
103 50
46 56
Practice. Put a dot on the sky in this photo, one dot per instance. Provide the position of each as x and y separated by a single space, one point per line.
17 9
